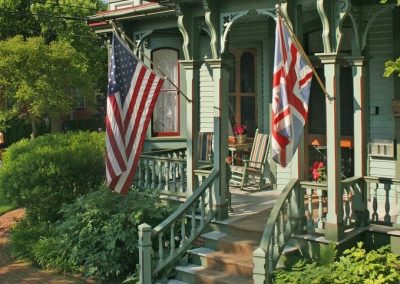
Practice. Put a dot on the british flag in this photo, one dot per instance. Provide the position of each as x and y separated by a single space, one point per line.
132 94
290 96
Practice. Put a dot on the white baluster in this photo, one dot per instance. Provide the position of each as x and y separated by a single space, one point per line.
320 223
172 240
174 185
375 216
140 177
160 248
166 175
310 220
210 198
193 231
182 177
153 175
276 237
281 228
202 209
160 175
289 216
183 231
387 219
146 174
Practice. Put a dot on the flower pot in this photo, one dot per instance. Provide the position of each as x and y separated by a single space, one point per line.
232 140
241 139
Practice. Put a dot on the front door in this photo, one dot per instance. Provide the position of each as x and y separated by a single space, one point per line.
242 89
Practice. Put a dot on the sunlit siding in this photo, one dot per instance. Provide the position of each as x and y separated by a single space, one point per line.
381 89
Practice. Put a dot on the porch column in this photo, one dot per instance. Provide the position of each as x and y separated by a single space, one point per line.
220 78
359 105
191 75
334 224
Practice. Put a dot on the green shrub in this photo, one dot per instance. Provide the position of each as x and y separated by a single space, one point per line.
24 236
43 173
356 265
99 233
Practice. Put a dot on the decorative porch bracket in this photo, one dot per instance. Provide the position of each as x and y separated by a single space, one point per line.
183 13
227 20
142 38
332 14
211 19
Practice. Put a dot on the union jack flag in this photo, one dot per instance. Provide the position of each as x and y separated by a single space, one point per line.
132 94
290 96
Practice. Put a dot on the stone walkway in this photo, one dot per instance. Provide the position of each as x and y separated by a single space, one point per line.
18 272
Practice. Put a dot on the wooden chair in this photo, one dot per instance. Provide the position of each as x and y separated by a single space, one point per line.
205 152
205 162
255 165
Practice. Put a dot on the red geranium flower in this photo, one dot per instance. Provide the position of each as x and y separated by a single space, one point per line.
240 129
318 172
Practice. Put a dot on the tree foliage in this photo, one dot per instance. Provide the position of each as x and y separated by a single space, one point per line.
61 25
39 78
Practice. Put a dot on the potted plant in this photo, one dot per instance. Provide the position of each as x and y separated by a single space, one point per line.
318 172
241 133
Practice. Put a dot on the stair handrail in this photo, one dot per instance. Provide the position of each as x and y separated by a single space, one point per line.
266 257
195 202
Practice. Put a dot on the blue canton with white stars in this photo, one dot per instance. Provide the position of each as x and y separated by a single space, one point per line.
123 64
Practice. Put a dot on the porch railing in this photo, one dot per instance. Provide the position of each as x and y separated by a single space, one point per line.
315 206
302 207
162 247
384 200
365 200
164 170
285 218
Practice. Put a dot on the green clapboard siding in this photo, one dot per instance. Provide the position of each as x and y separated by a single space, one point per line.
206 89
380 42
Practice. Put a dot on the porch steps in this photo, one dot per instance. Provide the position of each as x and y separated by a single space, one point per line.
223 259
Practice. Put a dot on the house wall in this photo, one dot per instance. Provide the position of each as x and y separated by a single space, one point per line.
381 89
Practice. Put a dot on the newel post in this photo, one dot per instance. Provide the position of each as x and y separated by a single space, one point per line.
260 273
144 254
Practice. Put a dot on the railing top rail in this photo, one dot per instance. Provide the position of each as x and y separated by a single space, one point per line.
158 158
314 185
165 151
185 206
351 180
384 180
273 217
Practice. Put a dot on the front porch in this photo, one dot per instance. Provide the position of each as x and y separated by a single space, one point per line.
269 222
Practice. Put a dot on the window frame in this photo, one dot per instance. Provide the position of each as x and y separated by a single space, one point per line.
177 84
237 53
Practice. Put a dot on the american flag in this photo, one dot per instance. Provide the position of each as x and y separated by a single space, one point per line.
290 96
132 94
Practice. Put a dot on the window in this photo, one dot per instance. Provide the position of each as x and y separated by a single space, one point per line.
242 89
166 112
79 98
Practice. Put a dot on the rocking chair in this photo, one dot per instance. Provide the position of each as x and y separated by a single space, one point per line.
205 148
255 165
